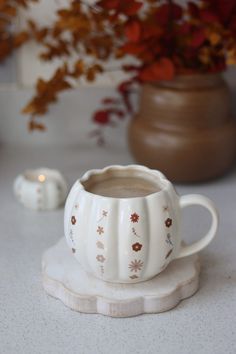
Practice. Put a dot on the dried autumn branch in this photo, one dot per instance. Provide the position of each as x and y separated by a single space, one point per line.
163 37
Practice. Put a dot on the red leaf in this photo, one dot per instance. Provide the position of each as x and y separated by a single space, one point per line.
133 48
109 4
184 28
124 86
168 12
208 16
133 31
193 9
109 100
101 117
161 70
198 37
130 8
223 9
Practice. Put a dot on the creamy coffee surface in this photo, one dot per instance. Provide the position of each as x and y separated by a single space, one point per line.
123 187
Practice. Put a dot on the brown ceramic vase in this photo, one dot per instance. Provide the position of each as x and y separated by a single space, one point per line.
185 128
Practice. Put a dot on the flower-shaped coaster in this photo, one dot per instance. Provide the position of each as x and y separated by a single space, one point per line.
63 278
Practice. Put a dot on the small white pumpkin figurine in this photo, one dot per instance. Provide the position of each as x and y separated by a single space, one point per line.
41 189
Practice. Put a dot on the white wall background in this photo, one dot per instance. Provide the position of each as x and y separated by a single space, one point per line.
68 122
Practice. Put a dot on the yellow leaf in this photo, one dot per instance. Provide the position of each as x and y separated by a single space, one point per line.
231 57
214 38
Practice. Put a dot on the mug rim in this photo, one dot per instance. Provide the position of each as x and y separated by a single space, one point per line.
163 185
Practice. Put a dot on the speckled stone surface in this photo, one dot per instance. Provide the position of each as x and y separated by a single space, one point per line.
31 322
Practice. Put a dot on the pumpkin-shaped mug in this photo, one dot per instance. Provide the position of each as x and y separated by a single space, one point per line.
123 223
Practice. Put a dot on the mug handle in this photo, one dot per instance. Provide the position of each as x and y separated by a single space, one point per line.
197 199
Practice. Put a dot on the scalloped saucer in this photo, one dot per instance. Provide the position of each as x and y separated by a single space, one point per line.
64 279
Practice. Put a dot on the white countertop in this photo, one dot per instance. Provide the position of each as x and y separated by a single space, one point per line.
31 322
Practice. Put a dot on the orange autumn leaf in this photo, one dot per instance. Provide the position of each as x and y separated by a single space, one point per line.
8 10
32 125
20 38
214 38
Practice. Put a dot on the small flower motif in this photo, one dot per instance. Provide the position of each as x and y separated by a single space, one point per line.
100 258
100 245
73 220
134 232
169 253
168 222
135 265
100 230
168 239
137 246
71 236
134 217
104 213
73 250
133 277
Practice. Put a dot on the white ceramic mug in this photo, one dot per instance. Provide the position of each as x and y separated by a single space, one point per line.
129 239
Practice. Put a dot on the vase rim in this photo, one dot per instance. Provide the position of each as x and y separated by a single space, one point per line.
200 80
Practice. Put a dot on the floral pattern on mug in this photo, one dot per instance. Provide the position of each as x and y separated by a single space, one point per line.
134 276
137 246
73 220
135 265
135 232
100 258
168 222
169 253
134 217
104 215
168 239
100 230
71 237
100 245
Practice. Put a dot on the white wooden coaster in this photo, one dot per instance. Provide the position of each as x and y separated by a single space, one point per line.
64 279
